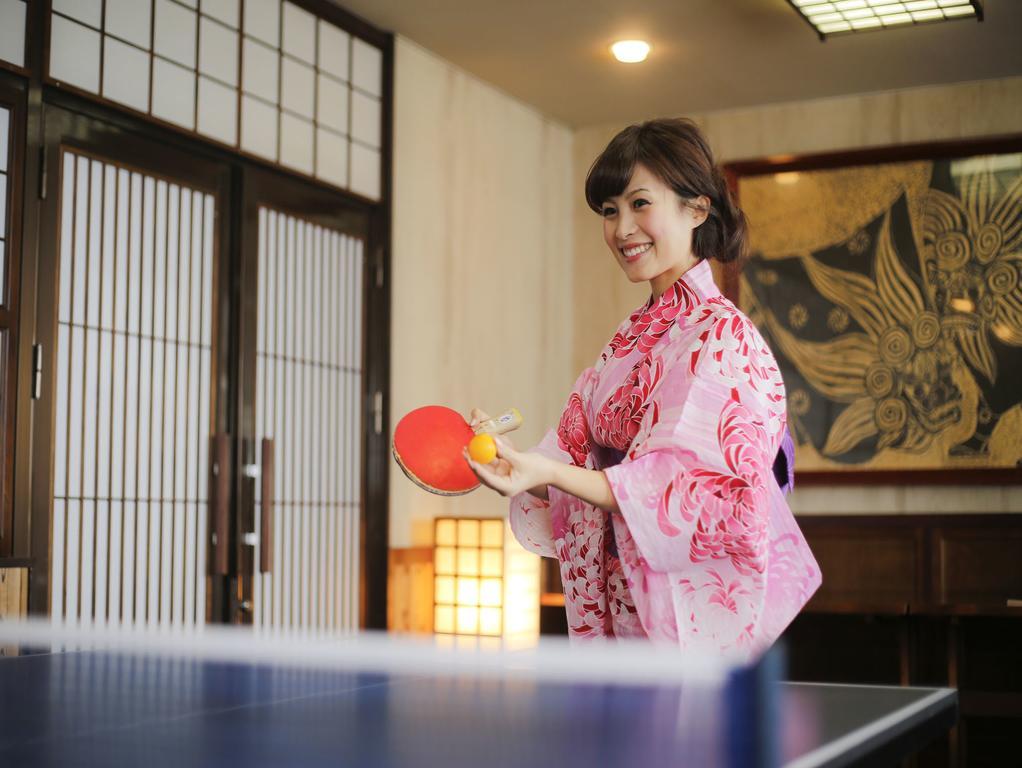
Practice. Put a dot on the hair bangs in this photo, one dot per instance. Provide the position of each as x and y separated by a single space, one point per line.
611 171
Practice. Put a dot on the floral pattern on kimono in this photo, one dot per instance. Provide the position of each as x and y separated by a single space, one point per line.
684 411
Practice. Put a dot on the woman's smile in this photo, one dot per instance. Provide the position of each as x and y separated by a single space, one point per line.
634 251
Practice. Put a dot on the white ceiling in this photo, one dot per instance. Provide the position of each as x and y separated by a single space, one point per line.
707 54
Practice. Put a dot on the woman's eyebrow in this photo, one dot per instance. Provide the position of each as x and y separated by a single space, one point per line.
637 189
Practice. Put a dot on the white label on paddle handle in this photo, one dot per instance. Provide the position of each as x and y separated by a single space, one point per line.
508 421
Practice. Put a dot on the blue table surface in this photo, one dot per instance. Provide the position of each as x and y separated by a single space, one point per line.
91 709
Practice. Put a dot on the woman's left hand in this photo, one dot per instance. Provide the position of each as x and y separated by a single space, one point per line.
512 472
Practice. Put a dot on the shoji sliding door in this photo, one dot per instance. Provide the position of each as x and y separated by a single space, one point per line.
132 337
308 386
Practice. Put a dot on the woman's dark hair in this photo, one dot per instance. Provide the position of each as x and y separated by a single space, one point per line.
675 150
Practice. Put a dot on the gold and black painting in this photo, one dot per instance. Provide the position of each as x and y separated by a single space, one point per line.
891 294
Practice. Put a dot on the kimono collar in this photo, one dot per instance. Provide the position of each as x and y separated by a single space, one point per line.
652 320
698 281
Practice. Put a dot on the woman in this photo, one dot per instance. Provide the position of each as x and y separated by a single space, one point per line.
656 491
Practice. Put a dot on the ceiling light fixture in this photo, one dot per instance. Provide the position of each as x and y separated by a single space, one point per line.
630 51
839 17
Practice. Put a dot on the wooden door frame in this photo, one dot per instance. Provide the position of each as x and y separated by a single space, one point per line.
352 216
238 180
13 533
65 128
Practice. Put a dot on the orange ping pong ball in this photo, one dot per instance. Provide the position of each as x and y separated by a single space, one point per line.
482 448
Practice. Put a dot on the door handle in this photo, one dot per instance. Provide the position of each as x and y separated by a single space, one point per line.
266 506
221 449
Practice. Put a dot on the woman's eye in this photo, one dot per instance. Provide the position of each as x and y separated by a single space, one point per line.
608 211
639 202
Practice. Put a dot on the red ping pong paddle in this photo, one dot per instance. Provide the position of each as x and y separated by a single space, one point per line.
428 444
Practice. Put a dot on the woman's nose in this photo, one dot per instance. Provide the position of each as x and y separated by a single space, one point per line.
625 225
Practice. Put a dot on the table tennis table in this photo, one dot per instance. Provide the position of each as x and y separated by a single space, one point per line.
119 707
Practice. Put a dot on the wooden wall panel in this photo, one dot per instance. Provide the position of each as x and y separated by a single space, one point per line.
846 649
981 565
13 592
410 590
988 655
878 565
13 600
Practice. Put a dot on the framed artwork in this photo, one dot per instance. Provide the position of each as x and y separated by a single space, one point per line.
888 283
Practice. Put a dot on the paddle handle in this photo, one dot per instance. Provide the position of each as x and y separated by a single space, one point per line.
508 421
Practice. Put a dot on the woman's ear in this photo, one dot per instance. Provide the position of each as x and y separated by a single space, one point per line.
700 207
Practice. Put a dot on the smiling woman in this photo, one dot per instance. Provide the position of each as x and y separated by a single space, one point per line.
660 491
649 232
662 158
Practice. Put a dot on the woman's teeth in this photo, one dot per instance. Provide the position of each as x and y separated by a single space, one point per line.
636 251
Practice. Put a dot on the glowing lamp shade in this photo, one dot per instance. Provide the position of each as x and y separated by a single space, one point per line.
484 583
630 51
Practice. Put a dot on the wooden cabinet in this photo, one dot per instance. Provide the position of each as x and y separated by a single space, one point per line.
977 565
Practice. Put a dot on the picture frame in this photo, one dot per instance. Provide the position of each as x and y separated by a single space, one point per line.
888 283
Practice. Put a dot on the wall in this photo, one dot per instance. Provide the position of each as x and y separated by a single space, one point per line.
482 264
966 110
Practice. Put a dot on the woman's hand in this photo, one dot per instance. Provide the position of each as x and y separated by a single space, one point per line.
512 472
477 417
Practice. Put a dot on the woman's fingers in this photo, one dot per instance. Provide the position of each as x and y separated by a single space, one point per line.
488 475
476 417
505 449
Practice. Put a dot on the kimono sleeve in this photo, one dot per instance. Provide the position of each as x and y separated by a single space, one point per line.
530 515
698 486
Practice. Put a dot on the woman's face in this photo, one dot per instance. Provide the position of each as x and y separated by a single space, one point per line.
649 228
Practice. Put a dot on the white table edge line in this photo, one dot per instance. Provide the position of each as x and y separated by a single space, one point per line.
868 686
860 735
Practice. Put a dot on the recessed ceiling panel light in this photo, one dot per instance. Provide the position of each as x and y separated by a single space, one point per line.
842 16
630 51
884 10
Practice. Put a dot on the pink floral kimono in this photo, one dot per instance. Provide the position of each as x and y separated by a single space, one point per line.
685 411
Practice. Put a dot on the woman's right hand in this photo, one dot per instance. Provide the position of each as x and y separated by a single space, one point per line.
499 465
477 417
